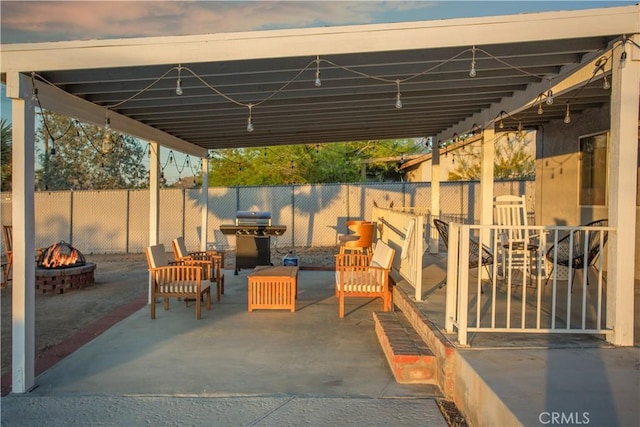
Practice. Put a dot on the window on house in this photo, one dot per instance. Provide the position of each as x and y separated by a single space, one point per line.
593 169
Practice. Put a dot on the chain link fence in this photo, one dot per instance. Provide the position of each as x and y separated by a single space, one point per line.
117 221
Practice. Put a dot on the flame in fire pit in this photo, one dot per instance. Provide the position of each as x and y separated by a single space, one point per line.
61 255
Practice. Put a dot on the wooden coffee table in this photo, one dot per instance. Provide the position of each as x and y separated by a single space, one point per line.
273 288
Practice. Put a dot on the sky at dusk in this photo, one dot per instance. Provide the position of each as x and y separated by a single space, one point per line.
41 21
51 21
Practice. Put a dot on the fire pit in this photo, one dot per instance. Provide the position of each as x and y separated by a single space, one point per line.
62 267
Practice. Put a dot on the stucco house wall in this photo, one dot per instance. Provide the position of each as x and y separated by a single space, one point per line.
558 171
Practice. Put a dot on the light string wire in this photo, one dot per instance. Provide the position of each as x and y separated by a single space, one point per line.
312 63
316 62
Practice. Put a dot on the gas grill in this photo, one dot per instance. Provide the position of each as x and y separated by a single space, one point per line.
253 231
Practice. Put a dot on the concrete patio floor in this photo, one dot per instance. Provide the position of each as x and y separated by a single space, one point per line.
231 368
275 368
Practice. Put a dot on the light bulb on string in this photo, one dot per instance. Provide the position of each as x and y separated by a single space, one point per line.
623 55
540 110
179 82
318 82
250 119
398 100
501 123
34 89
472 73
107 144
567 116
549 97
53 147
605 83
107 120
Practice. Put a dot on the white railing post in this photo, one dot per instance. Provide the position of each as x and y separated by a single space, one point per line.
463 287
451 285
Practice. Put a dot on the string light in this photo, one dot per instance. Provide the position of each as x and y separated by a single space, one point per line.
34 89
600 65
318 82
107 120
179 82
567 116
623 55
317 60
549 97
501 123
53 147
472 73
250 119
539 101
398 100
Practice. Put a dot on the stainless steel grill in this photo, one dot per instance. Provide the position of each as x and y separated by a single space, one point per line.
253 231
253 218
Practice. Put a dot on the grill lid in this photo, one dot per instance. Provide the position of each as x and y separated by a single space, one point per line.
253 214
253 218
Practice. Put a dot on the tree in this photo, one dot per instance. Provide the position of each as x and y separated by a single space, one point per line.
307 163
513 160
5 155
87 157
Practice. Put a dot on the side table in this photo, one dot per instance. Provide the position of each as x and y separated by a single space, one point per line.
273 288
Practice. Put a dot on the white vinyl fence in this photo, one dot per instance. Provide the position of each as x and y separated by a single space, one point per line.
117 221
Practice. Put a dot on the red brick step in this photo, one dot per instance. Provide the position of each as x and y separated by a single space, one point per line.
410 359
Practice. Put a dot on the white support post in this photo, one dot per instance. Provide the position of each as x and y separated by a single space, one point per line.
487 159
487 156
23 183
622 208
204 233
154 198
435 193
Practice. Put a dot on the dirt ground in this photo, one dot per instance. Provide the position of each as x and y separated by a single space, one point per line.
119 280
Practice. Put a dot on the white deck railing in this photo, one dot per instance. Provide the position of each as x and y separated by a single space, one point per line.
527 291
404 231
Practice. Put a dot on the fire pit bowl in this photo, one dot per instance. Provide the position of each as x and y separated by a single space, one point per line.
62 267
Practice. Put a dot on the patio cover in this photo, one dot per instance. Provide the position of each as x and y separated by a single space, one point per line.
363 70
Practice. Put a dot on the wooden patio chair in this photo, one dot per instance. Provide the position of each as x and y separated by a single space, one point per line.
362 275
176 279
211 260
477 255
7 238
